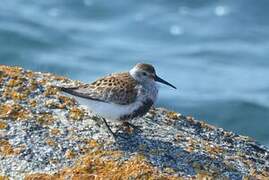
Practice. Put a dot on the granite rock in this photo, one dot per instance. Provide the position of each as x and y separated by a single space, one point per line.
44 134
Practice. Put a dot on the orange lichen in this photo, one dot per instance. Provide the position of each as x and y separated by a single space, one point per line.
89 146
66 101
6 148
4 178
172 115
257 175
92 143
7 92
42 81
204 176
4 110
205 125
11 71
76 113
189 149
20 95
1 76
16 81
60 78
15 95
69 154
3 125
50 91
45 118
50 104
55 132
15 111
29 74
33 85
50 142
39 176
32 103
213 149
101 164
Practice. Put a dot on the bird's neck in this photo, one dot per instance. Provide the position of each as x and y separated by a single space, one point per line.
150 91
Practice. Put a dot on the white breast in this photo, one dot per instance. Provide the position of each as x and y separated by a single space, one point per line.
115 111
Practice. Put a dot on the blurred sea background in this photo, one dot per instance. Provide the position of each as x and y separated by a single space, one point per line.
215 52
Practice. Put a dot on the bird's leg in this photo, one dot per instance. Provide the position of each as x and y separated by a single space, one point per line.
134 127
114 135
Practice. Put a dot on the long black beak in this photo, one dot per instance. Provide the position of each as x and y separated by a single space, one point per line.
158 79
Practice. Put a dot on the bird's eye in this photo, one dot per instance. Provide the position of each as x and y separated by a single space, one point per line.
144 74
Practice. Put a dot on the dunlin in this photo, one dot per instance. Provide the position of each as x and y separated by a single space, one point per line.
120 96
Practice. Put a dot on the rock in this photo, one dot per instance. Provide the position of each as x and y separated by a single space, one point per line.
44 134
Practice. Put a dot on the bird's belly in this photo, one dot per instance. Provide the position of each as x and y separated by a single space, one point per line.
109 110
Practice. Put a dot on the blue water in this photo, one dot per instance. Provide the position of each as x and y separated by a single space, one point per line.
215 52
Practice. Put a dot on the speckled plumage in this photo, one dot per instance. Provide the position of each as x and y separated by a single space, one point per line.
118 88
120 96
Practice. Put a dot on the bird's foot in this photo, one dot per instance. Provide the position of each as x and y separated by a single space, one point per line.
128 127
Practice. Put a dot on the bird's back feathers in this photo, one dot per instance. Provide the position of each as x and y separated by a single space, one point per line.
118 88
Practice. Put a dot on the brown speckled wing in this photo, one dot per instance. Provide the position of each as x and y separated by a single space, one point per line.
117 88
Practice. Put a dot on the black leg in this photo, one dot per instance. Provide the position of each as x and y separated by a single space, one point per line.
114 135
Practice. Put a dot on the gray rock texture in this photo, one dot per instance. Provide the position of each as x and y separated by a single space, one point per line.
44 134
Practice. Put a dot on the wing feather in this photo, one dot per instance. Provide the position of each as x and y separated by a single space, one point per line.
117 88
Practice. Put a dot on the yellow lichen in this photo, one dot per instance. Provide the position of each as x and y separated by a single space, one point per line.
66 101
60 78
92 143
172 115
42 81
4 110
55 132
20 95
189 149
204 176
4 178
6 148
213 149
204 125
50 142
32 103
101 164
50 91
39 176
15 111
69 154
76 113
14 82
29 74
33 85
45 118
11 71
89 145
257 175
3 125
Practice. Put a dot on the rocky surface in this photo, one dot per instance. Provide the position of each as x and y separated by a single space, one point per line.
44 134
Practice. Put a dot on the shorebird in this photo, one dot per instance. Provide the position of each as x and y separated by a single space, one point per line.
120 96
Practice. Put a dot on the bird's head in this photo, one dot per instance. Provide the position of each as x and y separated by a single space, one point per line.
145 74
